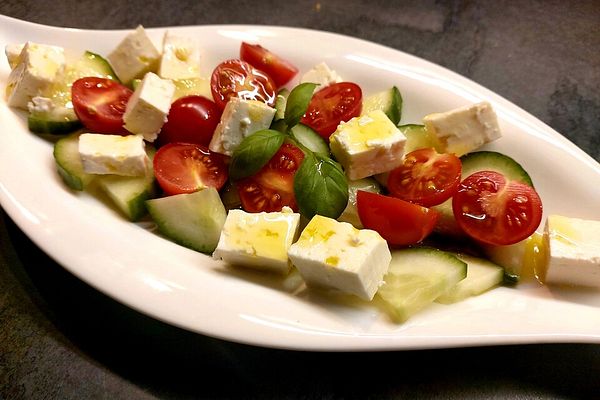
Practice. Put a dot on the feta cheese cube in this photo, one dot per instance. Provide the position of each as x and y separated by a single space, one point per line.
336 255
464 129
573 247
258 240
322 75
13 53
113 154
240 118
180 58
368 145
38 67
148 107
134 56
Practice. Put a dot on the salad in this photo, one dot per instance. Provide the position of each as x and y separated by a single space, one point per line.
314 178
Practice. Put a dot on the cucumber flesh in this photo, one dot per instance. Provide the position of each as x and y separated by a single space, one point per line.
68 163
482 275
307 137
129 193
193 220
494 161
389 101
418 137
350 213
190 87
417 277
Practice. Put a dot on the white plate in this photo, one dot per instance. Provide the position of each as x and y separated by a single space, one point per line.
190 290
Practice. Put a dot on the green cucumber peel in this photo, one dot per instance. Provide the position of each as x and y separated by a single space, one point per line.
254 152
320 187
297 103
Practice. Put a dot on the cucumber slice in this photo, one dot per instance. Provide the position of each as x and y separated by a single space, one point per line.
307 137
482 275
92 64
350 213
494 161
51 124
447 224
192 86
68 163
193 220
129 193
389 101
416 277
418 137
280 103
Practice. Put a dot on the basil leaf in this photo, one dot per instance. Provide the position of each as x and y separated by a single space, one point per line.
254 152
320 187
297 102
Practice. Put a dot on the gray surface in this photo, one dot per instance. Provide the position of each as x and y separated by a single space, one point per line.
60 339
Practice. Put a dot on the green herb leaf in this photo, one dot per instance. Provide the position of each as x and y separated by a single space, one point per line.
320 187
297 102
254 152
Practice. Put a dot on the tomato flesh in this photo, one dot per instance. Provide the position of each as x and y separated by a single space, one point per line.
272 187
496 211
280 70
399 222
100 104
426 177
237 78
191 119
338 102
187 167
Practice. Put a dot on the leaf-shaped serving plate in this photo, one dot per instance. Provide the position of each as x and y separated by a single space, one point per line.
190 290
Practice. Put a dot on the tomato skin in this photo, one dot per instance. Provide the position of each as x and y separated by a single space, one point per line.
191 119
187 167
426 177
100 104
399 222
280 70
237 78
493 210
272 187
331 105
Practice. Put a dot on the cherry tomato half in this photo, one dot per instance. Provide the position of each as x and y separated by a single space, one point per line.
494 210
187 167
237 78
331 105
399 222
100 104
426 177
191 119
280 70
272 187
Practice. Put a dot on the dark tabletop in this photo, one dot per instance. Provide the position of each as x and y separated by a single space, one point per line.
61 339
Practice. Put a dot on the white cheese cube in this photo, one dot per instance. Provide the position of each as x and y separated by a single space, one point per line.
464 129
13 53
336 255
134 56
240 119
38 67
368 145
573 247
258 240
322 75
113 154
180 58
148 107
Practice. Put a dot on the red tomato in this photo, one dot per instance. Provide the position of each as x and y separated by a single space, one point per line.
237 78
277 68
426 178
494 210
397 221
331 105
272 187
191 119
100 103
187 167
